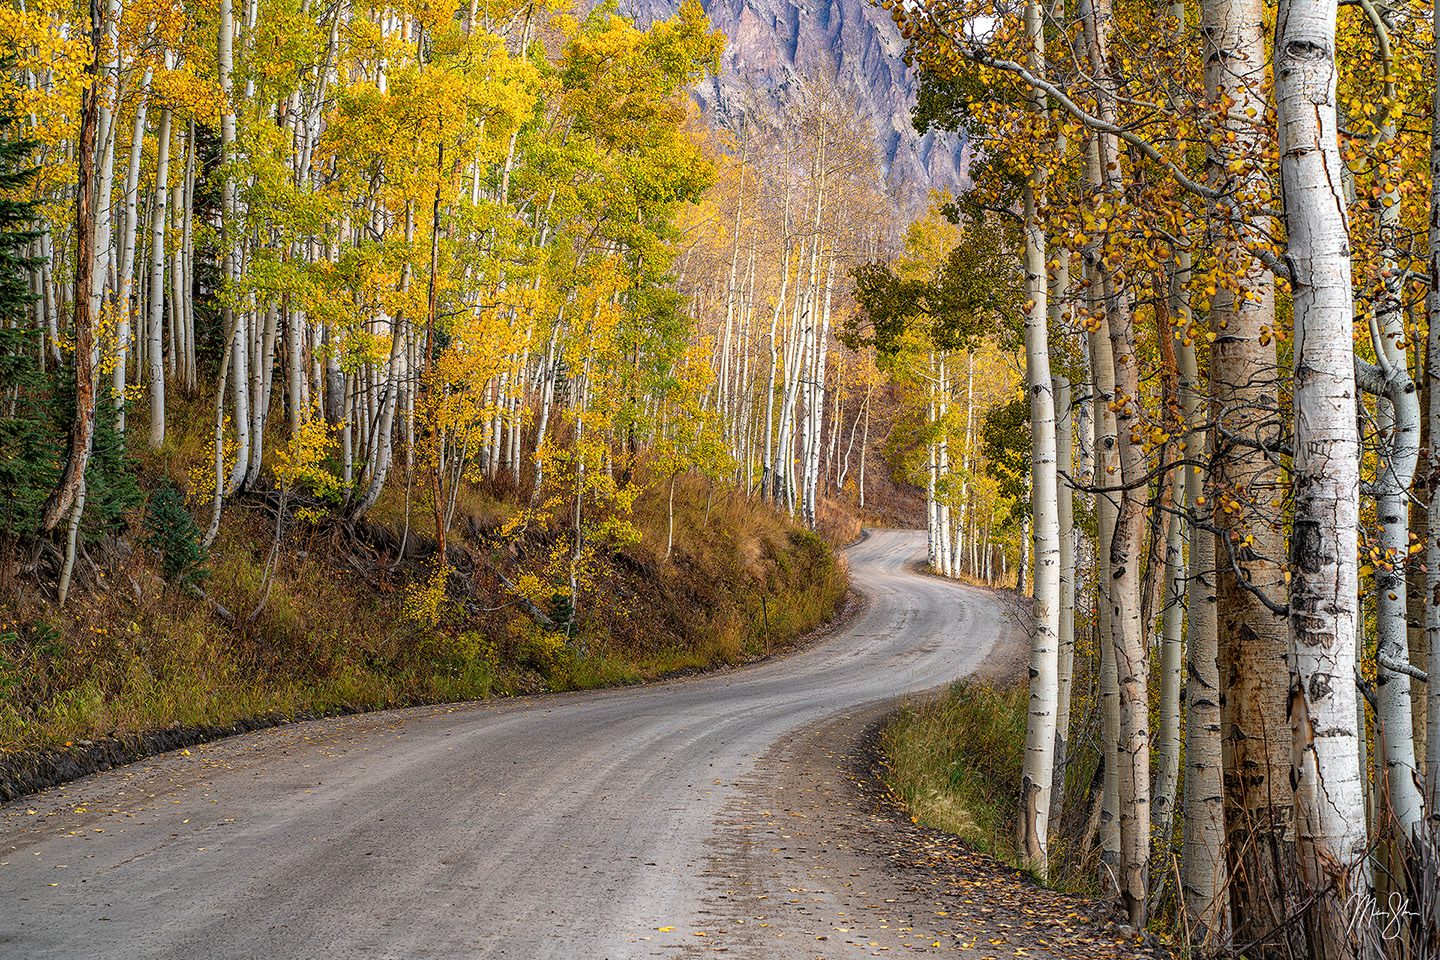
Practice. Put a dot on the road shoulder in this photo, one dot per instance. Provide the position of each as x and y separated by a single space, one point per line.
815 858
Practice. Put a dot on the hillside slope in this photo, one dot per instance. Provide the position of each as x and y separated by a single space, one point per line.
339 618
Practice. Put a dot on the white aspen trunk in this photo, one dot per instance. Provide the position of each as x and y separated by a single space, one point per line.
186 280
125 290
1022 569
770 482
1032 828
547 394
217 500
1107 474
175 362
767 469
1398 419
965 505
262 376
749 342
942 466
722 380
1329 814
932 513
1132 662
240 374
52 300
1432 533
1065 635
72 530
1172 618
1204 873
988 553
235 321
796 359
381 455
296 376
785 455
109 108
850 447
830 469
1128 633
158 219
817 402
1204 870
805 323
380 448
864 446
347 434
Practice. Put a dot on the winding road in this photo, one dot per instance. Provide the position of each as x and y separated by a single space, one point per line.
593 825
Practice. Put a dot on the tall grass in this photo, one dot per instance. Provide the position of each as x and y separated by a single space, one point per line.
955 761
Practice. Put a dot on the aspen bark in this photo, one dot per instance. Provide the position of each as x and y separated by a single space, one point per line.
1204 876
234 320
1243 379
1127 633
158 220
1107 474
1065 635
1032 827
1329 816
1398 419
72 477
1167 773
123 298
1432 534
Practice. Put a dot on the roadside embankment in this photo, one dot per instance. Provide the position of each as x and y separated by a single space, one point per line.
325 618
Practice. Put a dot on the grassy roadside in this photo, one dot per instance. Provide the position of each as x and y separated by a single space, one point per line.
955 761
325 624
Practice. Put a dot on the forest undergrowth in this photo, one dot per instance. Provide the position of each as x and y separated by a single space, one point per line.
299 615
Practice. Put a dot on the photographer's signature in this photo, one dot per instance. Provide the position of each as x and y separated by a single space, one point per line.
1388 922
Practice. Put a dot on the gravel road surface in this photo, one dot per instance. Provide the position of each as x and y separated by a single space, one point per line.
596 825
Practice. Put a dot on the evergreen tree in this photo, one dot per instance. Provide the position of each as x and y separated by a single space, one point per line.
28 444
172 533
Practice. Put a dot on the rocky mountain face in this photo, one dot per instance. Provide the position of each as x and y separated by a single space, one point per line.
775 44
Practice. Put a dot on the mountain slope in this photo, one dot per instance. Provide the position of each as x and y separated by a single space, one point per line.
774 44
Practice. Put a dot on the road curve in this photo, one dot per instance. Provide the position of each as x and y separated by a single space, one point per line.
569 826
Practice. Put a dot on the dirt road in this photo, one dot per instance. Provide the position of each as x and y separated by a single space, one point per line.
625 823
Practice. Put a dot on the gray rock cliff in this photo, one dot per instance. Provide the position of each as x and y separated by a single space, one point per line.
774 44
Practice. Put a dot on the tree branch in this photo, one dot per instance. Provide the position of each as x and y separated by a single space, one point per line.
978 55
1280 610
1400 666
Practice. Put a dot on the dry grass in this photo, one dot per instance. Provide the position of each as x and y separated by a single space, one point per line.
318 634
955 761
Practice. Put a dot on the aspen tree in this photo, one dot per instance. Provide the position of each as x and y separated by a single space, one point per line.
158 221
1242 374
1203 856
1329 820
1065 636
1432 372
1398 422
126 271
1037 775
72 478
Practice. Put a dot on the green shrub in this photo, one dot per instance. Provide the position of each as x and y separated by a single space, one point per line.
173 534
